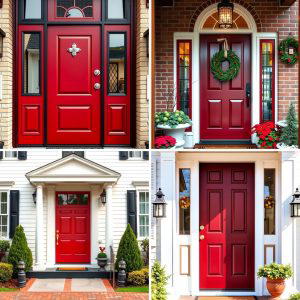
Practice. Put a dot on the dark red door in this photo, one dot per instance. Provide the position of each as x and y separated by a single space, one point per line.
226 234
225 111
72 234
73 104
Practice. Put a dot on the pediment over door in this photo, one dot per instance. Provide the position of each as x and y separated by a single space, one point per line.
73 169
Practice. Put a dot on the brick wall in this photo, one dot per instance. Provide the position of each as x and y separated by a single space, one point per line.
269 16
141 75
6 24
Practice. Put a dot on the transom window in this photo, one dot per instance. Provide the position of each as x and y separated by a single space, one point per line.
3 214
73 199
143 214
74 8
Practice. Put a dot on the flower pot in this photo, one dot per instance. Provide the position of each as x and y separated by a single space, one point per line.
102 262
176 132
275 287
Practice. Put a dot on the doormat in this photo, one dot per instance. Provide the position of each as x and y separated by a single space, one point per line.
72 269
225 146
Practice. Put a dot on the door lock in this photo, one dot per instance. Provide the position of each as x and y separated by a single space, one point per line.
248 94
202 237
97 72
201 227
97 86
57 236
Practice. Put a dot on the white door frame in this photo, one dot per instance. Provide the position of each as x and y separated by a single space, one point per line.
255 63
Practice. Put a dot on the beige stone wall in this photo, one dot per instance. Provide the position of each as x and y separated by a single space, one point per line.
141 75
6 70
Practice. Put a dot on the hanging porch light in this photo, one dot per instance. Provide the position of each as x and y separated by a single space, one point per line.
295 205
225 11
159 205
103 197
34 196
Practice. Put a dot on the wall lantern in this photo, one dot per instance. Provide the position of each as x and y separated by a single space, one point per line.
159 205
225 11
103 197
2 36
295 205
34 197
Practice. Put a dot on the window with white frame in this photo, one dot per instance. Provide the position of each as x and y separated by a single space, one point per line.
135 155
3 215
143 214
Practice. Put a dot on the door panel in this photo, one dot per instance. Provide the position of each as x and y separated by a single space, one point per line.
227 214
73 104
72 228
225 113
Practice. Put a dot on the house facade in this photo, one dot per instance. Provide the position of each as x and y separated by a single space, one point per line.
227 214
74 73
187 36
72 203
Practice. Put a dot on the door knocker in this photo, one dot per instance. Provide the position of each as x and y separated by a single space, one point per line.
74 50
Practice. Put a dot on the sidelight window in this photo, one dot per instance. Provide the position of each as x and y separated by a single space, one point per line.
184 200
269 201
117 63
3 214
116 9
33 9
143 214
267 61
74 8
31 63
184 76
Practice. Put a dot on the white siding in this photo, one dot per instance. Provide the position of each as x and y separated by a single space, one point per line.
130 170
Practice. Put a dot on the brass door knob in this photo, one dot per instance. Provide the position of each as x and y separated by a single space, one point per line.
202 237
201 227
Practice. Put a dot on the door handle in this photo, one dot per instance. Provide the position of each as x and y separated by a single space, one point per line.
97 86
202 237
57 236
97 72
248 93
201 227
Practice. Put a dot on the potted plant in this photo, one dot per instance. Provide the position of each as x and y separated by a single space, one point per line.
276 275
102 259
4 246
165 142
174 124
268 135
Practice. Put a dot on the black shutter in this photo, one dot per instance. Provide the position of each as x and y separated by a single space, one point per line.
146 155
132 210
22 155
123 155
14 198
1 154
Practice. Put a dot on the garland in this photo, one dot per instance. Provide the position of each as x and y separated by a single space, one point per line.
234 65
285 56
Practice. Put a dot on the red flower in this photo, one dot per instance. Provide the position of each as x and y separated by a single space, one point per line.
164 142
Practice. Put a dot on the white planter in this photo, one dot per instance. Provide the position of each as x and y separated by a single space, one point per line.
176 132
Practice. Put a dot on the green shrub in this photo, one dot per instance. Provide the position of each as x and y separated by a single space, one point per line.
129 251
295 297
146 272
145 251
6 271
19 250
172 118
289 134
4 246
102 255
275 271
159 281
137 278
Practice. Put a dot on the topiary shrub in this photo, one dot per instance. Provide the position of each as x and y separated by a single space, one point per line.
6 271
295 297
289 134
137 278
159 281
129 251
102 255
19 250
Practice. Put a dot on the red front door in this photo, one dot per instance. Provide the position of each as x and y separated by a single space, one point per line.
226 234
225 110
73 104
72 227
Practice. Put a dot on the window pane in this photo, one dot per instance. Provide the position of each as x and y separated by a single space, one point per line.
33 9
267 57
31 59
184 200
11 154
137 154
117 58
74 8
184 80
3 201
115 9
269 200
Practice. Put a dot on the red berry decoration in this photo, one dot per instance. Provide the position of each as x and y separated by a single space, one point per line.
284 47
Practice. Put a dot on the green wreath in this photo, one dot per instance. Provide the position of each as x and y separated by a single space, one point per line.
231 72
285 57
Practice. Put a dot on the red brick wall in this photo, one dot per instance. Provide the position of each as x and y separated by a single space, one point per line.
269 16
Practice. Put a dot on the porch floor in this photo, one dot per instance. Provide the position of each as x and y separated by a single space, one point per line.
223 298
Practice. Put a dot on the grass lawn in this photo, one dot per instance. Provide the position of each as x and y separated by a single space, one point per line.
8 290
133 289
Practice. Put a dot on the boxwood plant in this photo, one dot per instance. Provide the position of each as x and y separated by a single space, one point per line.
172 119
275 271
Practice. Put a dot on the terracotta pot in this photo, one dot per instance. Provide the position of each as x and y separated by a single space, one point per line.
275 287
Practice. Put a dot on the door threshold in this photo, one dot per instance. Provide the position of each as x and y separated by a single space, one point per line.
225 142
221 293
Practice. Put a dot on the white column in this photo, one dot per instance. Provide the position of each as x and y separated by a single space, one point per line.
94 221
108 219
39 227
50 260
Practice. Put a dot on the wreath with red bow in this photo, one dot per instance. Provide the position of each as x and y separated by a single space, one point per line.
288 50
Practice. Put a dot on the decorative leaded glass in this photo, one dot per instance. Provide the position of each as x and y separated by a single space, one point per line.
74 8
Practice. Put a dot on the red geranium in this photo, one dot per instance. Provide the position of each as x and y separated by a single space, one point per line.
268 134
164 142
